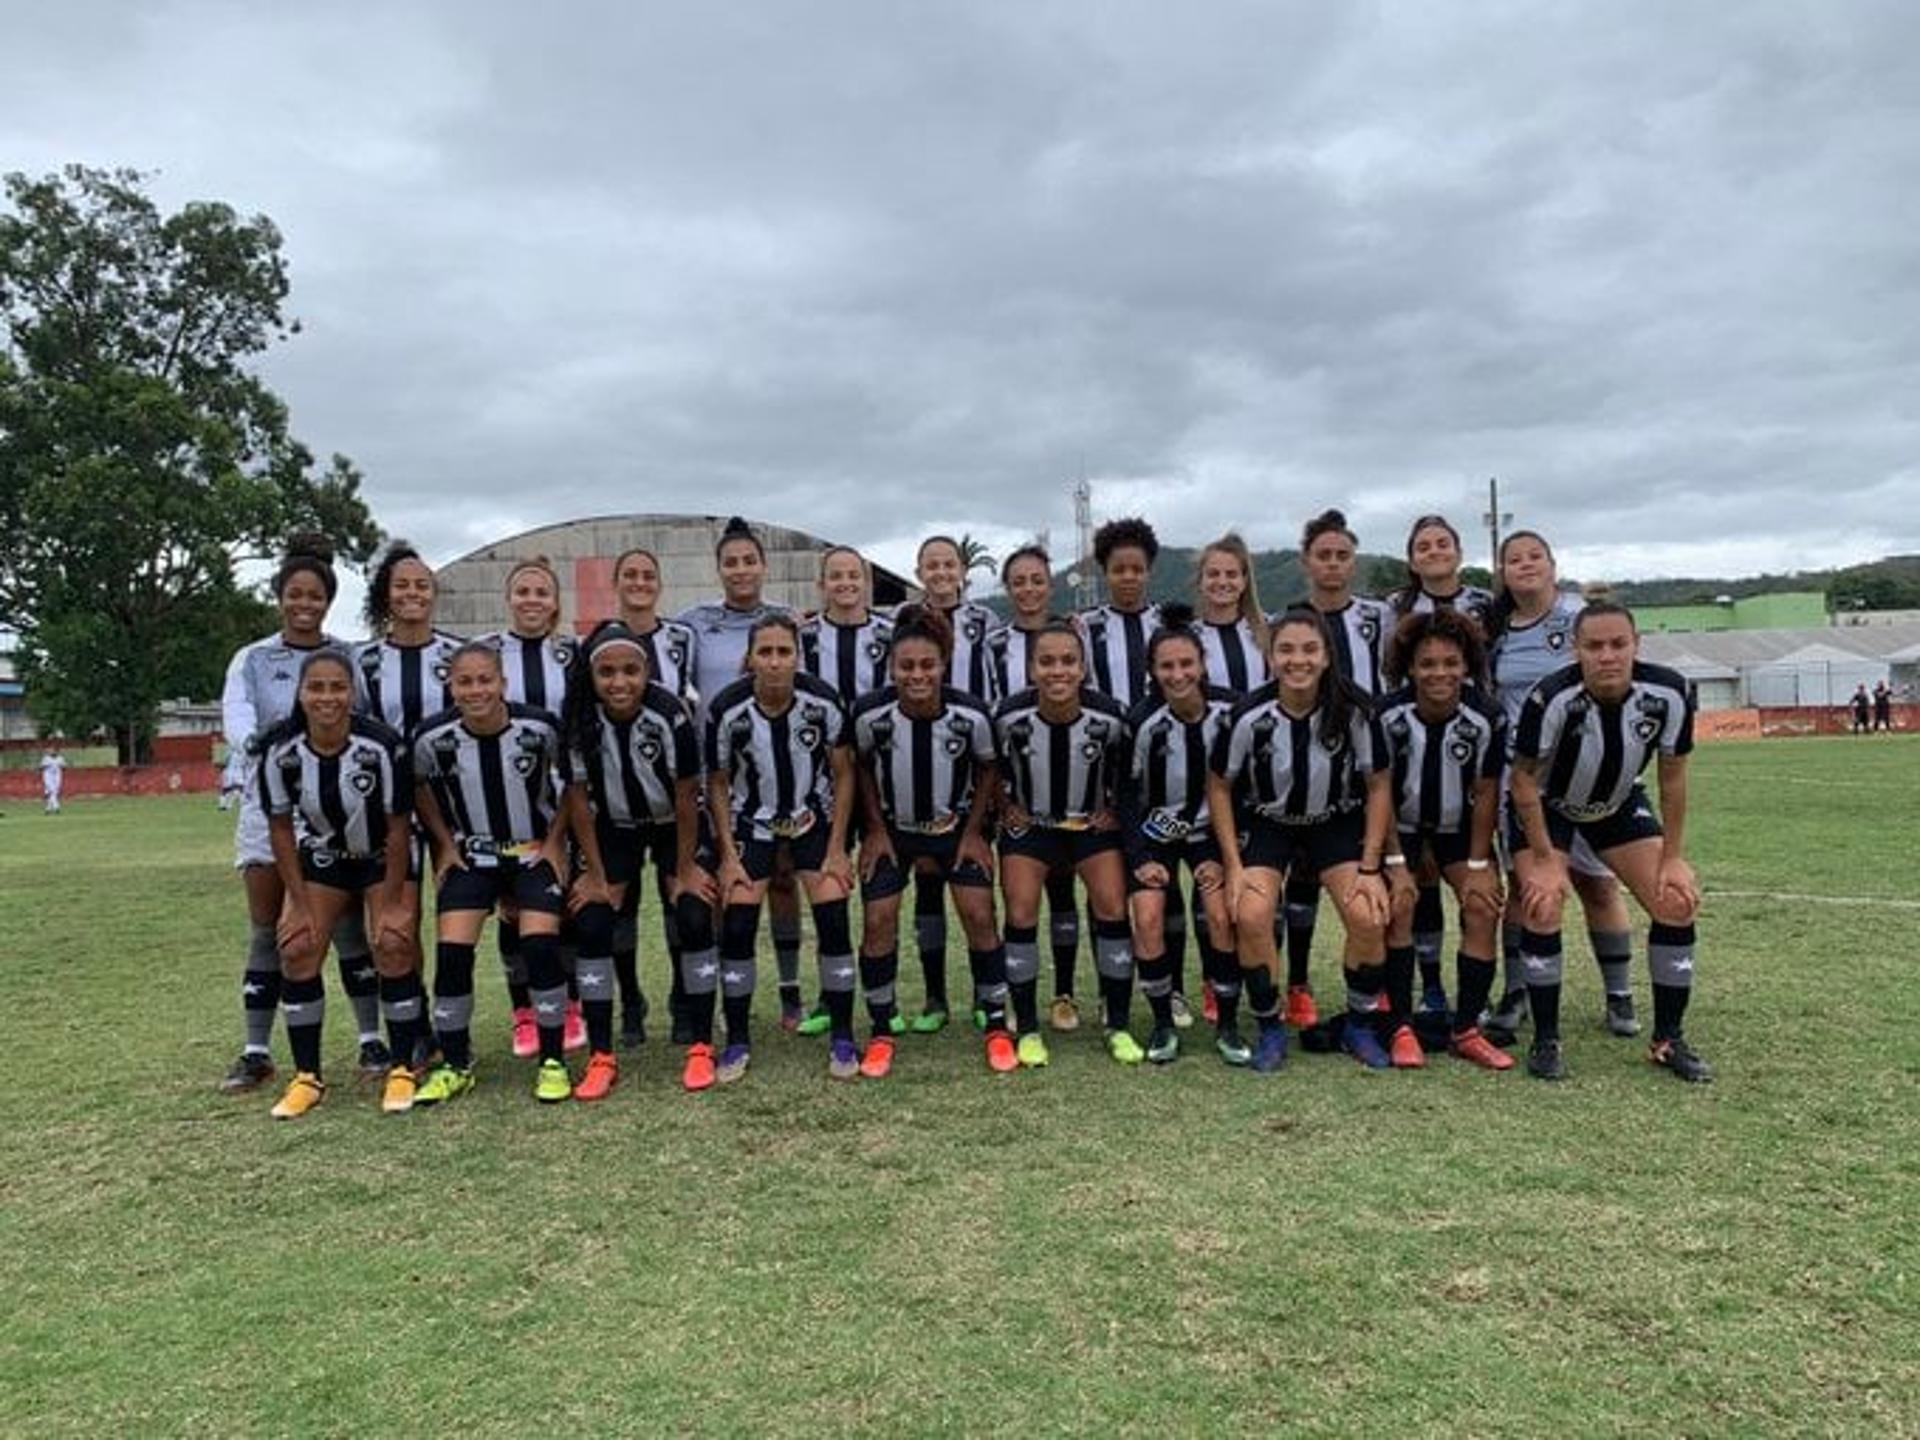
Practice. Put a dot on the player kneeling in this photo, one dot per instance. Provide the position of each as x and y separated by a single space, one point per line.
926 760
1586 733
337 794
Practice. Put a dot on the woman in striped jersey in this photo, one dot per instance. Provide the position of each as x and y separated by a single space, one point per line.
672 661
1063 749
1586 734
259 693
1531 637
1027 576
337 793
1359 627
1313 761
926 763
672 658
942 572
632 772
780 781
1434 558
1164 822
534 658
1448 751
1233 629
484 790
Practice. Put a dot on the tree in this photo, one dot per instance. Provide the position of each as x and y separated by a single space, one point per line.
139 457
974 556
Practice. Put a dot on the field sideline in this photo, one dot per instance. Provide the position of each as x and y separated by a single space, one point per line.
1077 1249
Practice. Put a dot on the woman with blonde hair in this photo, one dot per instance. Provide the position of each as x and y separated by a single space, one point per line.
1233 629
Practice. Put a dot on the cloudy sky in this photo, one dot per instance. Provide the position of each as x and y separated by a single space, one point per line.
874 269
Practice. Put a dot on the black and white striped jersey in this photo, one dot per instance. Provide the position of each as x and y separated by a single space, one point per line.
633 769
340 803
673 657
1436 763
1360 630
1164 793
1590 754
493 789
1234 661
1293 774
1117 651
1007 650
404 684
779 768
535 668
1062 775
1525 654
850 658
1470 600
967 667
924 768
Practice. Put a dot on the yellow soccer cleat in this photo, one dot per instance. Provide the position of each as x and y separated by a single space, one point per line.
303 1092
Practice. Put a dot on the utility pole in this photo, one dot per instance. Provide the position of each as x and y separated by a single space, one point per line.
1082 577
1496 519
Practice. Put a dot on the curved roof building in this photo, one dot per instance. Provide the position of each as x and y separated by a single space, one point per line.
472 589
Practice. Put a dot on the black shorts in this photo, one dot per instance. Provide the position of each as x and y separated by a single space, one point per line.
626 849
807 852
358 873
528 886
909 849
1305 851
1447 850
1633 820
1193 853
1055 848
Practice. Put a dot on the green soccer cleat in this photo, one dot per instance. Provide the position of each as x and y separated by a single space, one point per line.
552 1083
1123 1047
929 1022
1163 1045
897 1025
444 1082
818 1022
1033 1051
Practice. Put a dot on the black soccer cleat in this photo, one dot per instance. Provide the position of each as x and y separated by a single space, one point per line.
1621 1019
1501 1025
249 1072
1676 1055
1545 1062
375 1060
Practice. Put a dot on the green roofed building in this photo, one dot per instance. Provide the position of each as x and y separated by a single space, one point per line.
1787 610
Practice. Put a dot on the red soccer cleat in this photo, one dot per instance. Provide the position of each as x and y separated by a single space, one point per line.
1405 1050
877 1063
1003 1057
603 1072
526 1034
1476 1049
1302 1013
699 1072
574 1037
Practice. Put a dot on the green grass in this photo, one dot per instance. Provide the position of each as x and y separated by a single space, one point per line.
1177 1251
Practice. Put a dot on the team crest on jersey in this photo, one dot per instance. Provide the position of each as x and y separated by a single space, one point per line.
955 745
1090 750
677 653
1460 748
1645 728
362 781
974 629
1369 627
876 650
1399 730
649 749
1334 743
526 763
809 737
1557 639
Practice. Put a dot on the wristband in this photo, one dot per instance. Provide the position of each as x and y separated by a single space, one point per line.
1365 871
1479 864
1396 860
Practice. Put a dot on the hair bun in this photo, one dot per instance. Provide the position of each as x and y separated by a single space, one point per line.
1176 615
1331 517
736 525
310 545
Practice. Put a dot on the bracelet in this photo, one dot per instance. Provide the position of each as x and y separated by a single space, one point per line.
1365 871
1396 859
1479 864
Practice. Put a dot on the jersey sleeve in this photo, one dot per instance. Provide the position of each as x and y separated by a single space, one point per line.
719 753
274 796
1532 736
986 746
1494 761
400 763
238 718
1677 738
686 746
1370 751
1229 756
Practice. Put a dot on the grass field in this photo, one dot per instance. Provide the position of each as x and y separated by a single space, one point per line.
1078 1249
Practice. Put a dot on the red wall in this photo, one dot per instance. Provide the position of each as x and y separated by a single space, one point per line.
194 777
